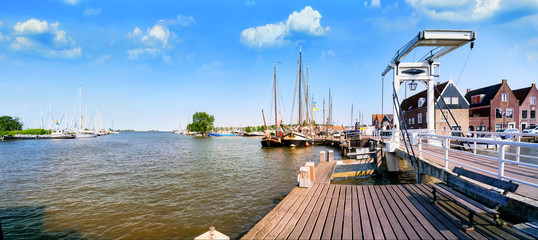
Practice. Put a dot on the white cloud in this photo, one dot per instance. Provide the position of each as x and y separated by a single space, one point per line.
45 39
92 11
32 26
373 3
21 43
458 10
327 54
250 3
265 36
72 2
306 21
530 49
157 40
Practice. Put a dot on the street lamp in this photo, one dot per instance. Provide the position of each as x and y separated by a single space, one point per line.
413 86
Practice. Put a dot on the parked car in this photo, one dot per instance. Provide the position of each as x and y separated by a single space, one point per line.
508 130
532 129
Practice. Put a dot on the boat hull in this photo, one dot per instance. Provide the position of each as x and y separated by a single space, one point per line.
296 139
271 142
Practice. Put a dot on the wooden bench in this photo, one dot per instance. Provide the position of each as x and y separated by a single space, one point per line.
496 195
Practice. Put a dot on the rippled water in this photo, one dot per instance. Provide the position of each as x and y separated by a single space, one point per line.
141 185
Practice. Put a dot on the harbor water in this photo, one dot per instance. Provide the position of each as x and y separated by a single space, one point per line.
146 185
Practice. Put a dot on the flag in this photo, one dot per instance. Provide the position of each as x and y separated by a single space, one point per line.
315 109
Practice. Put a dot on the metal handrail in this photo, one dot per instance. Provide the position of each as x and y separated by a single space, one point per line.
446 146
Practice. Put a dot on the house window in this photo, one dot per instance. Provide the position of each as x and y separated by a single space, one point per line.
509 113
413 120
455 100
533 101
481 128
524 114
533 113
445 112
410 121
498 127
421 102
504 97
498 113
447 100
419 118
523 126
476 99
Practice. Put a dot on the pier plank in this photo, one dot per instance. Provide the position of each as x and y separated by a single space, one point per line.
356 221
365 220
320 221
308 202
262 223
404 222
374 219
339 220
331 215
393 220
279 214
385 224
303 226
348 216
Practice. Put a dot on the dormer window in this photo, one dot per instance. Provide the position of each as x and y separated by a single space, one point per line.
476 99
421 102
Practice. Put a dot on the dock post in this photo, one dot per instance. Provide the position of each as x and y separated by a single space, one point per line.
322 156
304 177
331 156
311 165
212 234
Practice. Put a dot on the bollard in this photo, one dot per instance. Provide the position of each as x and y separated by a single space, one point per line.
304 177
331 155
212 234
322 156
311 165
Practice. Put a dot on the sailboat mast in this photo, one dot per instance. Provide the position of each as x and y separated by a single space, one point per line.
351 123
276 119
80 106
300 102
307 106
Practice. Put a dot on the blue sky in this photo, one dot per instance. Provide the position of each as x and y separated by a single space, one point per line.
152 64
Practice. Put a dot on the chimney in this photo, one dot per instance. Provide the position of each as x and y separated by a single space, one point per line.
504 81
468 90
533 85
438 83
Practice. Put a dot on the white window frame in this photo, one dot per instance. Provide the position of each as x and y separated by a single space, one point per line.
504 97
419 118
510 110
421 102
447 100
501 110
455 100
526 115
441 118
533 100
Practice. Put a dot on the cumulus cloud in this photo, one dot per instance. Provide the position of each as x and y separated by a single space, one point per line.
92 11
530 49
457 10
373 3
35 36
72 2
307 21
158 39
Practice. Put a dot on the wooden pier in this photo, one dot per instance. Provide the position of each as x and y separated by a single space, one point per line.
328 211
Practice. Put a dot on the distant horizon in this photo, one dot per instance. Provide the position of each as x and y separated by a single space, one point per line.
151 65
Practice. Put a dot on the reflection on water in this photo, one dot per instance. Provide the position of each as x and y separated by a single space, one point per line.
142 185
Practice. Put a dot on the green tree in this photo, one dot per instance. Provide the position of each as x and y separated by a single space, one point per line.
261 129
248 129
8 123
201 122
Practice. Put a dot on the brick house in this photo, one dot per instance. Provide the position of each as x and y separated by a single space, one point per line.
493 108
382 120
414 108
527 106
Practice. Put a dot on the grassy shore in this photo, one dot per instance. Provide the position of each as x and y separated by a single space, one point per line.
26 132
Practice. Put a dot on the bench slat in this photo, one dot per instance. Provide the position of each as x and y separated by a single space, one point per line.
498 183
467 202
530 228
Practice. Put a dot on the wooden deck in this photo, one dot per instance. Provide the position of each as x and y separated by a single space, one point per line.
327 211
324 172
511 170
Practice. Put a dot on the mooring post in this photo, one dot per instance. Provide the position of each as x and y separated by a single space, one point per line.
331 156
322 156
311 165
212 234
304 177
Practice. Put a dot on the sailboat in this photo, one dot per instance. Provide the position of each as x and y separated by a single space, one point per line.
268 140
82 133
296 137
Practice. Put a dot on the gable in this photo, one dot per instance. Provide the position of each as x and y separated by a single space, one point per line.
453 98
